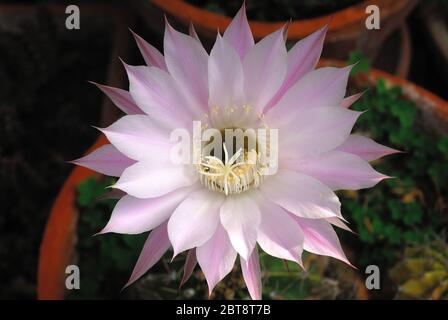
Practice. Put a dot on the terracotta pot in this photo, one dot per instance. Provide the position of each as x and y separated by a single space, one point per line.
346 33
60 233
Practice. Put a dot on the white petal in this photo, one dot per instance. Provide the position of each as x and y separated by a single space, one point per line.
195 220
240 216
302 195
216 257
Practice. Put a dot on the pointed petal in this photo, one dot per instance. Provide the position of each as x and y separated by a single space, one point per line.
133 216
225 76
340 170
150 54
158 94
193 33
121 98
139 137
195 220
187 61
315 130
252 274
302 58
155 247
238 33
240 217
216 257
144 180
365 148
278 234
264 69
190 264
323 87
302 195
320 238
347 102
106 160
338 223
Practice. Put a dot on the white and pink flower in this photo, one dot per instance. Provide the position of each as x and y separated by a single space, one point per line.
214 209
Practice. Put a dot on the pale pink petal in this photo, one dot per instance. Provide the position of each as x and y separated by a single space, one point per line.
133 216
365 148
252 274
216 257
313 131
193 33
238 33
195 220
106 160
240 217
302 195
150 54
302 58
190 264
264 69
347 102
320 238
121 98
338 223
139 137
146 180
160 96
278 234
339 170
187 61
155 247
225 76
324 87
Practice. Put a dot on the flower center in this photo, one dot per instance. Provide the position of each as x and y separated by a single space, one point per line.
231 175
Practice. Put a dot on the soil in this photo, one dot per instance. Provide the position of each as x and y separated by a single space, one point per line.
45 108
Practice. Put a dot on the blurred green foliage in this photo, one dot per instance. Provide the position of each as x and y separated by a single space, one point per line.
422 273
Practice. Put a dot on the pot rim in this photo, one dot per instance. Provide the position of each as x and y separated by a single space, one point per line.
341 20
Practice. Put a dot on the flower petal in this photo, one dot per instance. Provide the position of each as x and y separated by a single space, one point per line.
252 274
322 87
216 257
302 58
139 138
158 94
133 216
365 148
264 70
240 216
106 160
320 238
278 234
347 102
192 32
340 170
150 54
225 76
144 180
314 131
195 220
190 264
187 61
121 98
155 247
238 33
302 195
